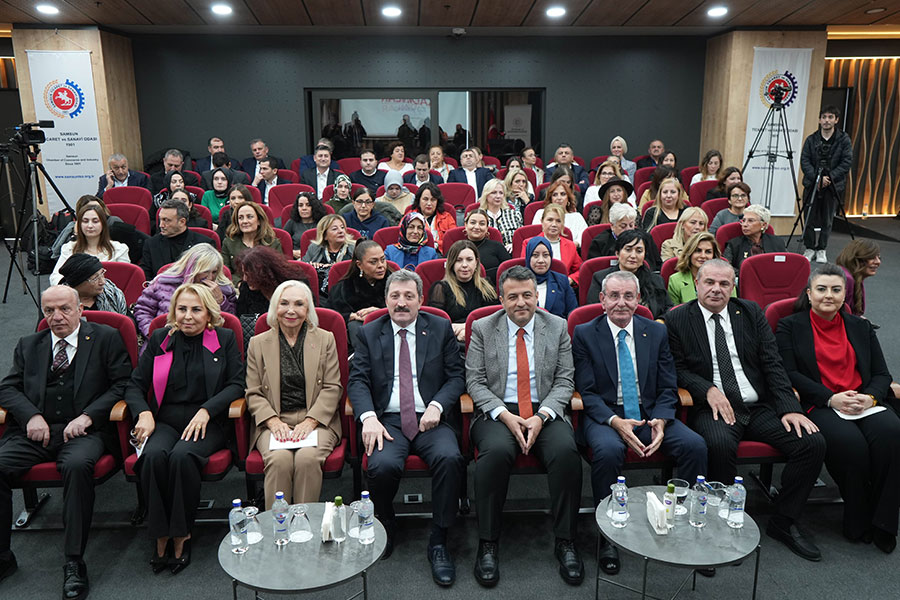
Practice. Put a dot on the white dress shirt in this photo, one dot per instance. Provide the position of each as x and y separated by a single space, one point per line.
71 348
268 186
748 394
510 394
471 180
321 182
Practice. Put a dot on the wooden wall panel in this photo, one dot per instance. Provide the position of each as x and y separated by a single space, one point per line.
279 12
120 109
608 14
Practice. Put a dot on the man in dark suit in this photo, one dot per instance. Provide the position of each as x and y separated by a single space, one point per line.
369 174
322 175
565 155
267 177
171 240
519 373
407 406
308 161
119 175
213 145
469 173
62 386
222 160
423 173
627 381
727 359
655 151
172 161
260 151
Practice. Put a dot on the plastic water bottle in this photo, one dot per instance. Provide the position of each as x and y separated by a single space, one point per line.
237 521
339 521
669 500
619 502
737 498
699 498
366 520
279 519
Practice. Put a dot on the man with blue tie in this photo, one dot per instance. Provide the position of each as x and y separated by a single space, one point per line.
626 376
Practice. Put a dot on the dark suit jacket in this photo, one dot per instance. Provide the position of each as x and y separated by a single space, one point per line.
278 181
482 176
798 350
158 181
581 176
756 349
646 162
237 177
204 163
248 165
738 248
308 161
102 368
135 179
160 250
439 367
411 178
597 376
309 177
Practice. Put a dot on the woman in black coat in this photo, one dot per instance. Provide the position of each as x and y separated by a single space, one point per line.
361 291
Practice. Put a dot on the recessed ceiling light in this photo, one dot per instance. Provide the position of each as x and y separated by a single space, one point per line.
875 11
717 11
223 10
391 11
555 12
47 9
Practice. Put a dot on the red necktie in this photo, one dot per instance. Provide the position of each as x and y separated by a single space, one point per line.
523 379
409 424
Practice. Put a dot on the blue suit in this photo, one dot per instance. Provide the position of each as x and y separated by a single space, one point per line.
135 179
561 298
248 165
597 379
411 178
482 176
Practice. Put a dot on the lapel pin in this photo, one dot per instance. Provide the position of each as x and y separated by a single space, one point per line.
87 337
215 359
645 335
737 312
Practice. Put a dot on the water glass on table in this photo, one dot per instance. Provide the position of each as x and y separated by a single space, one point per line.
681 493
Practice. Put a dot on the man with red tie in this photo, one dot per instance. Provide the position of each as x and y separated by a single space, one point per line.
520 375
405 381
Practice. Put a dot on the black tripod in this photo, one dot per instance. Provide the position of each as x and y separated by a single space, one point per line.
803 216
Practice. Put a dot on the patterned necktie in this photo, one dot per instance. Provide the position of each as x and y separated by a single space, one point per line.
409 424
626 374
726 372
523 376
60 359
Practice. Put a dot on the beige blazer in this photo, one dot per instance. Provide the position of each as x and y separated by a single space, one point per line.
323 379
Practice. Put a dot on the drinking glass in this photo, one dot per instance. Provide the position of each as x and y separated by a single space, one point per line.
299 529
354 519
681 492
254 531
717 499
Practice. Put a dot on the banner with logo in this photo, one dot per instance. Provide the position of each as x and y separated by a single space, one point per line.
784 73
62 86
517 122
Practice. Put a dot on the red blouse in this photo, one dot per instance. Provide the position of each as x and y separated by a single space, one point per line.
834 354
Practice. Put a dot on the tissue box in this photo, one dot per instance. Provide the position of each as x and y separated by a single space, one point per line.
656 514
326 522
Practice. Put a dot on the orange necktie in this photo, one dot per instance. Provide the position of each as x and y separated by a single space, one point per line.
523 380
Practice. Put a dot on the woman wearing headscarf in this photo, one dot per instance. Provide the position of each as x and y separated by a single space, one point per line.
343 187
174 181
411 248
216 198
554 292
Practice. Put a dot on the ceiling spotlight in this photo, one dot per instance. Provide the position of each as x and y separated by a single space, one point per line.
555 12
391 11
717 11
223 10
875 11
47 9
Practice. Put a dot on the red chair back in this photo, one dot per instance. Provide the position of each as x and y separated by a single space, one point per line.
459 233
210 234
584 314
597 161
133 214
410 186
729 231
288 174
231 322
328 192
194 173
662 232
530 210
778 309
586 211
124 325
349 165
451 161
713 206
205 213
541 188
687 174
457 194
526 232
765 278
586 272
588 236
311 276
640 191
285 195
287 242
490 161
642 175
387 236
128 277
478 313
377 314
295 166
129 195
256 194
337 272
668 267
579 160
699 190
195 190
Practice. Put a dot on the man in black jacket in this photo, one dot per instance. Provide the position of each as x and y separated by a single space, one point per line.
173 238
825 160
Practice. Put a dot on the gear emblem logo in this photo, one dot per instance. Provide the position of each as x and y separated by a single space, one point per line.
64 99
780 81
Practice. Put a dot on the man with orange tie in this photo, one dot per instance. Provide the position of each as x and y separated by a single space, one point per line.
520 375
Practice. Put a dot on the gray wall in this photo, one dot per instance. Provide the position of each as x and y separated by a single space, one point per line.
240 87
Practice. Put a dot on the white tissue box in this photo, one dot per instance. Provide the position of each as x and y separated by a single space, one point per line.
326 522
656 514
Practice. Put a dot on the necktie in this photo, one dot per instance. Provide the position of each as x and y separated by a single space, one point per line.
726 372
523 376
409 424
60 359
626 374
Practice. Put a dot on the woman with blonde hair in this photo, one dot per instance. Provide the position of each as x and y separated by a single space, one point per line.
249 227
667 206
698 249
91 237
462 289
500 214
692 221
619 147
518 189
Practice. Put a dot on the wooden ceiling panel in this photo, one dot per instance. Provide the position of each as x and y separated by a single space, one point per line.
240 16
67 14
858 16
491 13
335 12
11 14
662 13
608 14
538 15
167 12
409 17
111 12
764 13
823 11
446 13
279 12
699 18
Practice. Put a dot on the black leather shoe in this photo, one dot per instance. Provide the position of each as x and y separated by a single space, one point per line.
794 539
159 563
487 564
443 571
571 567
884 541
706 572
609 558
389 530
8 566
75 580
181 563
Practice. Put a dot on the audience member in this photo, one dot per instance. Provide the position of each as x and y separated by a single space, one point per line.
667 206
621 219
216 198
395 193
555 294
500 214
222 160
755 238
238 194
618 147
362 217
362 289
308 161
368 175
249 227
173 160
561 194
710 167
396 159
613 191
422 172
654 155
529 161
436 160
462 289
343 190
332 245
738 195
697 250
728 177
412 247
670 160
469 172
91 237
171 183
565 174
606 171
552 228
213 145
263 269
860 260
566 156
429 202
517 193
692 221
267 177
659 175
322 175
260 152
119 175
491 252
85 274
305 215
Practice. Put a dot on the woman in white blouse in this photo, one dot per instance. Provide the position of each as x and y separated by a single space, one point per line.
91 237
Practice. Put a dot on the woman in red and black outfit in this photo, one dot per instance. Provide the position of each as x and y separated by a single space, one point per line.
836 365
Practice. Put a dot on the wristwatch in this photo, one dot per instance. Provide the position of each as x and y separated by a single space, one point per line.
544 417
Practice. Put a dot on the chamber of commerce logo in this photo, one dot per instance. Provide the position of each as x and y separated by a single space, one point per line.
64 99
778 86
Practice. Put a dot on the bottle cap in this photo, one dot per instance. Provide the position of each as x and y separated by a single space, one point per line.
671 488
279 495
365 494
338 501
620 479
701 478
236 503
738 479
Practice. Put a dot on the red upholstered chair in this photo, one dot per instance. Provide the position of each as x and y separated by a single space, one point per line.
778 309
328 192
586 211
451 161
530 210
470 208
287 242
765 278
687 174
541 188
434 270
668 267
459 233
311 276
641 189
254 472
307 238
579 160
410 186
662 232
129 195
588 236
194 173
526 232
555 265
337 272
729 231
295 166
642 175
285 195
128 277
387 236
205 214
349 165
133 214
256 194
46 474
713 206
597 161
288 174
698 191
491 161
639 158
586 272
195 190
457 194
210 234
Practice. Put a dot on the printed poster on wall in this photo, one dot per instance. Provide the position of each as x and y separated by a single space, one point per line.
786 68
62 86
517 121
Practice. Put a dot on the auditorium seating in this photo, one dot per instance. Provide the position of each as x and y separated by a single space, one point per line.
459 233
133 214
526 232
388 236
588 236
687 174
765 278
698 191
712 207
129 195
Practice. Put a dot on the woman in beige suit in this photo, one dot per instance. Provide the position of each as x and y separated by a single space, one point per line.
293 389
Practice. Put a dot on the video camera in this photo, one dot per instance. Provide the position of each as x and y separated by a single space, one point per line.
27 135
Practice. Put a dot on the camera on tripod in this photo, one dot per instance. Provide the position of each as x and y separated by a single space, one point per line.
777 92
27 134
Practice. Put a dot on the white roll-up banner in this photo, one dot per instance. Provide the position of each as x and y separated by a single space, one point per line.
517 122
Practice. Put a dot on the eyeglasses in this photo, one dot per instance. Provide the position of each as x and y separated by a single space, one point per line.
97 276
740 196
363 202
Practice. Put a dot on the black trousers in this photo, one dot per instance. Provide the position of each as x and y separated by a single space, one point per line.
440 451
819 216
804 454
497 450
75 460
169 470
864 458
